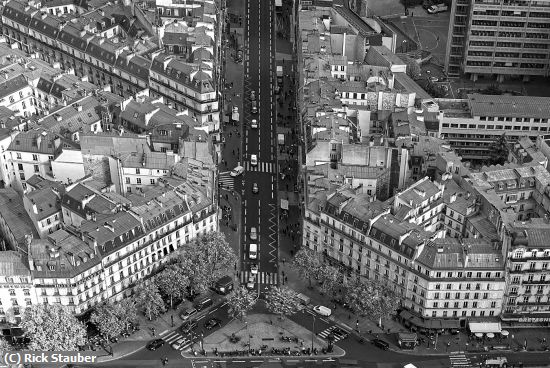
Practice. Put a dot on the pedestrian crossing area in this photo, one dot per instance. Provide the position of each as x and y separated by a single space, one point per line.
337 332
177 341
265 278
261 167
226 181
459 360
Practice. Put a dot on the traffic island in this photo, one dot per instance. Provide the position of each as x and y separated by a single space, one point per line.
263 334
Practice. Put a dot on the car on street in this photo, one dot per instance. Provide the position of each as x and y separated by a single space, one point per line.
255 188
180 343
155 344
254 160
254 268
254 107
239 170
187 327
239 56
254 124
188 313
235 109
253 233
252 96
211 323
251 282
322 310
433 79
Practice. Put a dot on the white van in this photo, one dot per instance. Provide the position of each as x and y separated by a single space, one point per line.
253 251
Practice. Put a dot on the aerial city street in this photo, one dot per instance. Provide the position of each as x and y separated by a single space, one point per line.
275 183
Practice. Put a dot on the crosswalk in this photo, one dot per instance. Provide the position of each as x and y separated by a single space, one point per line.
265 278
337 332
268 167
460 360
226 181
183 342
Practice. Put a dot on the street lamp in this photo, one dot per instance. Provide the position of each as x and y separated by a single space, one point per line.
312 332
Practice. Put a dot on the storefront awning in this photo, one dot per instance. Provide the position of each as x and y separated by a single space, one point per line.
450 323
485 327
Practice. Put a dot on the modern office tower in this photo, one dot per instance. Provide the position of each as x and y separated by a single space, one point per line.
500 38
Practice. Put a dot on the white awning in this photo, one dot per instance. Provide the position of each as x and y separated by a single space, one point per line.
485 327
410 366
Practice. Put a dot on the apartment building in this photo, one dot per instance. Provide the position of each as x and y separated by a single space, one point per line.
502 38
105 46
457 279
16 291
473 124
421 204
15 225
31 153
44 208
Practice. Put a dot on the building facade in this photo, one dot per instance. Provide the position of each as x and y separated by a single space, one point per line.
502 38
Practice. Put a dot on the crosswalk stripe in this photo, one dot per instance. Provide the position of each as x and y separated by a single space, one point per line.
265 278
261 167
226 181
459 359
331 330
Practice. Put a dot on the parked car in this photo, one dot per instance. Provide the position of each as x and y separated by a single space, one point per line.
322 310
211 323
381 344
188 313
155 344
203 304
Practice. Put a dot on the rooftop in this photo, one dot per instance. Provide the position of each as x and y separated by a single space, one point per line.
510 106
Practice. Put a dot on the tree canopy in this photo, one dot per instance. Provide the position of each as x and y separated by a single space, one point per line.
240 301
150 301
205 260
173 283
282 301
52 327
308 263
107 320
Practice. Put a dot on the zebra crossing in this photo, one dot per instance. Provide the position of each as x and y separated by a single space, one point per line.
265 278
337 332
262 167
460 360
177 341
226 181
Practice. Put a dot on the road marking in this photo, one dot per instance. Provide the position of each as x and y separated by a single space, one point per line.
310 360
256 361
239 361
292 361
329 360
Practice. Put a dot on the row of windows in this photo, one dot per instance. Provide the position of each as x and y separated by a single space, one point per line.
138 181
495 127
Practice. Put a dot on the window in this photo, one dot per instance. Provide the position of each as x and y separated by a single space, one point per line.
35 157
127 180
138 180
152 181
36 168
137 171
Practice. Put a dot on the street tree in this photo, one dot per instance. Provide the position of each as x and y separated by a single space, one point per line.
126 311
5 345
206 260
107 320
282 301
308 263
150 301
386 301
359 296
173 283
52 327
331 278
240 301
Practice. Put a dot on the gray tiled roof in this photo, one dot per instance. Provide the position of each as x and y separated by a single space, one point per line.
13 263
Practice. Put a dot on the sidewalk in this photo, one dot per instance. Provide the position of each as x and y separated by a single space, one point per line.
263 330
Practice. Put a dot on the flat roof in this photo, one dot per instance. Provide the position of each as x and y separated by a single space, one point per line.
510 106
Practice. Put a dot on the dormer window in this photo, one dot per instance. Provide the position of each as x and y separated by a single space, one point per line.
51 267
